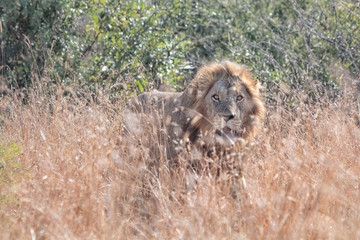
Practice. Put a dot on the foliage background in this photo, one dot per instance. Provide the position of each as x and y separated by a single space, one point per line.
139 45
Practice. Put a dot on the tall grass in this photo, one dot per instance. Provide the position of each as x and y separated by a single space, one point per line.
77 178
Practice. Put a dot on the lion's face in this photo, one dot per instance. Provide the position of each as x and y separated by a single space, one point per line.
223 103
229 105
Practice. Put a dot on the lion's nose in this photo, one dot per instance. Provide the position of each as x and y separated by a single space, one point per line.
229 116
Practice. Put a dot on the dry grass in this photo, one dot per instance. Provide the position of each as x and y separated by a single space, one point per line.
76 178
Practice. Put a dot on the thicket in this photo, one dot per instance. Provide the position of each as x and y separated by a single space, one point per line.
139 45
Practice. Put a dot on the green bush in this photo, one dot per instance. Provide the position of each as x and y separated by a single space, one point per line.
9 171
30 31
138 45
131 40
8 161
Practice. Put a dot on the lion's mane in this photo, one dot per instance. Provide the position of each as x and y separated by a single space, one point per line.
204 80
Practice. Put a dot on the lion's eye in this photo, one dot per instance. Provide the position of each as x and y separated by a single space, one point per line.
215 98
239 98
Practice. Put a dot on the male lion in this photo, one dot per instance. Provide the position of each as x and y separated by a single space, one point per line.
220 106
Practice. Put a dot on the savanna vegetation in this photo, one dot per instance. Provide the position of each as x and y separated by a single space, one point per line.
68 170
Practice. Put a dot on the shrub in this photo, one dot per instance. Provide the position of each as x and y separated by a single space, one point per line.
30 31
139 45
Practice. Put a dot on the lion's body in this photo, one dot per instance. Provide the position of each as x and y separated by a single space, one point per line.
220 106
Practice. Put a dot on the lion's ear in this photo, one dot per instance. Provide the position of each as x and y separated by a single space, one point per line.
257 85
246 76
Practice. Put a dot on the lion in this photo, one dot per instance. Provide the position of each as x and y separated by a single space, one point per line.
221 106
